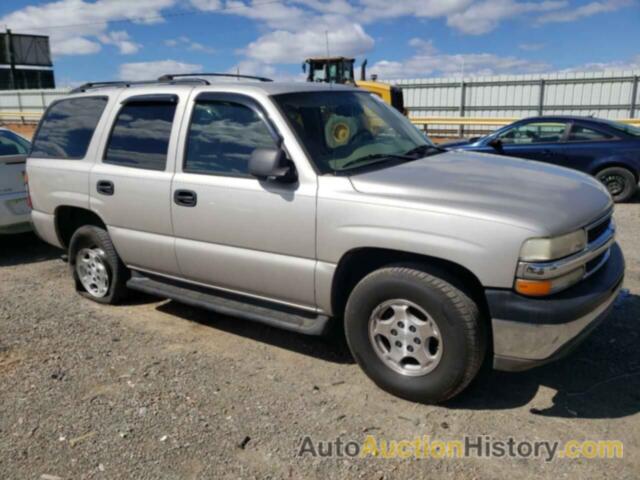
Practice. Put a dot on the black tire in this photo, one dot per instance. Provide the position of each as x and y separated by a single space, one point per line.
456 315
621 183
92 237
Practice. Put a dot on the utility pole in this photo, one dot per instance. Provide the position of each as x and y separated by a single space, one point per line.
326 36
462 100
12 61
634 96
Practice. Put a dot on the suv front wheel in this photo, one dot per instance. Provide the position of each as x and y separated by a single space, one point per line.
97 270
414 334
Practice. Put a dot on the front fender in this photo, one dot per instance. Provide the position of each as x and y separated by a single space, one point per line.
487 247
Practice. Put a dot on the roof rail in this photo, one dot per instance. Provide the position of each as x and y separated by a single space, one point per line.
169 77
89 85
124 84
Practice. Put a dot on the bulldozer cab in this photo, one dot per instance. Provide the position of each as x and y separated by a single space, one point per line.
340 70
329 69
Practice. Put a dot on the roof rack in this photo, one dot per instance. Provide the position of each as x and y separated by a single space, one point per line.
124 84
170 77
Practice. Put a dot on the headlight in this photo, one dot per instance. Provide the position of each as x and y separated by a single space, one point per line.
545 249
540 250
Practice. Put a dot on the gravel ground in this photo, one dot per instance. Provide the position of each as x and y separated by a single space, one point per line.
154 389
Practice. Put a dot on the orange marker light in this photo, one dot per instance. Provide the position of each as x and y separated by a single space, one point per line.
533 288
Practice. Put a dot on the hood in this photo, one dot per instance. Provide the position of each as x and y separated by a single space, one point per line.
547 199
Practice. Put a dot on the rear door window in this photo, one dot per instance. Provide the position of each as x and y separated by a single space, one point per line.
67 128
140 135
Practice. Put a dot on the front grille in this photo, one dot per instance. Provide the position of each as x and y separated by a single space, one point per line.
594 263
594 232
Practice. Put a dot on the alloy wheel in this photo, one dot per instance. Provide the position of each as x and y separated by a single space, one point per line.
405 337
93 271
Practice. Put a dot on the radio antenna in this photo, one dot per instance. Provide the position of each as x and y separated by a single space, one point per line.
326 65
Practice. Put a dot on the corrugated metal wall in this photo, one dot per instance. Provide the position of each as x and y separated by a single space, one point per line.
603 94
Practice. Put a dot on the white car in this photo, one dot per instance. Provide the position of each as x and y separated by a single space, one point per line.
14 207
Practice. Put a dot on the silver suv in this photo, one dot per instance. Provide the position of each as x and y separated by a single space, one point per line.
305 206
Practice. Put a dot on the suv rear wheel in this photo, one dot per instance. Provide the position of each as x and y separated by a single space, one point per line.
97 270
414 334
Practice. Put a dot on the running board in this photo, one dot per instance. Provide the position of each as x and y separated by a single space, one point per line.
275 315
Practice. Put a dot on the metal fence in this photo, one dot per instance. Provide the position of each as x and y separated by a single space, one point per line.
614 95
472 105
26 105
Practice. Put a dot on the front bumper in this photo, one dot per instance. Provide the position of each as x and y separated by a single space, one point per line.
528 332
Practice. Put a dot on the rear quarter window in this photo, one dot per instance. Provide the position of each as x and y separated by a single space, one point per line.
67 128
580 133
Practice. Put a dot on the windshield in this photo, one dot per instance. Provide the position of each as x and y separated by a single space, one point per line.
343 130
628 129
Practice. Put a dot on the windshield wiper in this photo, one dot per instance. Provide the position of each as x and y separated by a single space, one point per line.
413 154
378 158
423 149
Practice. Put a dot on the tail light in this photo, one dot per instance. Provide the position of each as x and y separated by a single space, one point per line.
26 186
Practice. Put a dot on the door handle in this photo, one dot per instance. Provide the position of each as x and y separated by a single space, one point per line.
105 187
185 198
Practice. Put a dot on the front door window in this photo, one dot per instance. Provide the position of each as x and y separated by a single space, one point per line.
536 132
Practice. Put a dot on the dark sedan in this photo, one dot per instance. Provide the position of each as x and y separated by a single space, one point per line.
608 150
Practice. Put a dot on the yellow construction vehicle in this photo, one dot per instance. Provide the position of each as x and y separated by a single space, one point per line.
340 70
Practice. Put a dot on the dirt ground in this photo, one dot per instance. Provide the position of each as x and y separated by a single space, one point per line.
157 390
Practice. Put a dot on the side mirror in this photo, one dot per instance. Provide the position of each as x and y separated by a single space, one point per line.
271 164
496 144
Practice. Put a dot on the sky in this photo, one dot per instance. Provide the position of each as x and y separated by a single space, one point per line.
143 39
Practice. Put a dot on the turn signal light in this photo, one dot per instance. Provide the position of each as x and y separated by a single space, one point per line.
539 288
534 288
